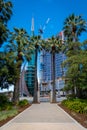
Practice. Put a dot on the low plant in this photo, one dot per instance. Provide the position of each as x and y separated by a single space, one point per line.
76 105
5 104
10 113
85 110
23 103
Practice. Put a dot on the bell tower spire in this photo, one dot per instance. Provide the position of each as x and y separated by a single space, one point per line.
32 27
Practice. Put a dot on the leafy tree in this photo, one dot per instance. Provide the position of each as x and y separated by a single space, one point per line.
76 68
3 70
5 15
73 27
72 64
21 48
8 69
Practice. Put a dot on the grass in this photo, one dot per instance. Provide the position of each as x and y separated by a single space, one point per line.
9 110
10 113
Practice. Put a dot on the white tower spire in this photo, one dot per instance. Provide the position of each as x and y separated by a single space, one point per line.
32 26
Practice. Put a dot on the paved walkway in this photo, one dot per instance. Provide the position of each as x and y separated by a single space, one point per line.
43 116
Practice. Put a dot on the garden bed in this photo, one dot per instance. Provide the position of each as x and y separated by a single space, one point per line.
20 109
81 118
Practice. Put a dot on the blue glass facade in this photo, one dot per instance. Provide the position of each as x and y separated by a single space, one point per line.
47 71
32 61
30 75
59 71
47 66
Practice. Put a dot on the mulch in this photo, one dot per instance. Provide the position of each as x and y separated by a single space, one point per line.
81 118
21 109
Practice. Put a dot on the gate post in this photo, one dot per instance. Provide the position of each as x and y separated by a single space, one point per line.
51 96
38 93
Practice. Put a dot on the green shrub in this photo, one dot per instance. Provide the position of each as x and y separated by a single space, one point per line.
6 107
23 103
3 99
71 96
5 104
9 106
85 110
76 105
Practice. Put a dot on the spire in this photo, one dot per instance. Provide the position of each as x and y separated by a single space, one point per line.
32 27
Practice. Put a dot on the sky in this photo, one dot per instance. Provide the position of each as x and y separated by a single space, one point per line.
48 14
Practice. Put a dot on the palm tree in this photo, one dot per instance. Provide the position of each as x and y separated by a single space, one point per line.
53 46
73 27
35 40
5 15
21 46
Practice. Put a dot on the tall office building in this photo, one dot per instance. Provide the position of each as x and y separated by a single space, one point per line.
47 66
59 70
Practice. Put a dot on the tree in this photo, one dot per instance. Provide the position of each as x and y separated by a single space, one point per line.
72 64
21 48
53 45
77 69
5 15
35 40
83 68
73 27
8 69
3 70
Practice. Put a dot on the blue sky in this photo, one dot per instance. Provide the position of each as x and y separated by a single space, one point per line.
54 10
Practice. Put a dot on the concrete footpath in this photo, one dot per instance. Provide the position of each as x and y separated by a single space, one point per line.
43 116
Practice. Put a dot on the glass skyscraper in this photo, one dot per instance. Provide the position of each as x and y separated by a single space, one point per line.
30 75
46 69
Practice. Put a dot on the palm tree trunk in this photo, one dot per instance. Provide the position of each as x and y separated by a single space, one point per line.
16 88
74 40
36 81
53 77
16 92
